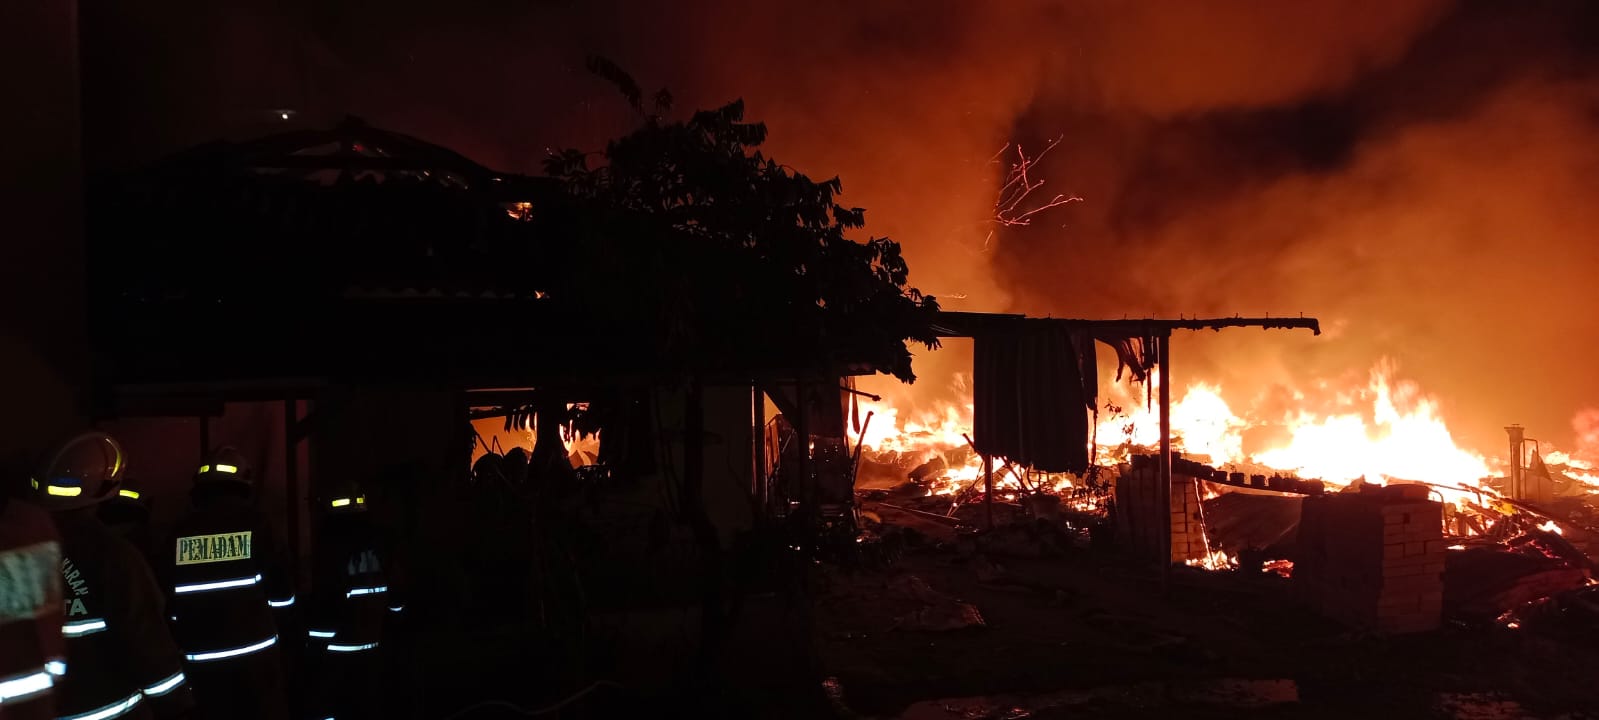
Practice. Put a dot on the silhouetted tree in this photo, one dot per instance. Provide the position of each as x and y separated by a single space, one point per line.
727 252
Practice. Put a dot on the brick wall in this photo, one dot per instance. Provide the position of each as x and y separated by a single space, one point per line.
1373 559
1187 534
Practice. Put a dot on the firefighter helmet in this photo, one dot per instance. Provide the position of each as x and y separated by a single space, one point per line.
127 505
83 471
129 493
489 469
225 464
514 467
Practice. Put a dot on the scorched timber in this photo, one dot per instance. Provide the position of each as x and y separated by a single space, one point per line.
960 324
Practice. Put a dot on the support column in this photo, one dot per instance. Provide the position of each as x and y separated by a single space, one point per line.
988 490
694 456
1515 485
802 436
1163 487
758 482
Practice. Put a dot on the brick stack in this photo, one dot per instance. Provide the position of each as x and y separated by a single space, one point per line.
1139 512
1187 534
1373 559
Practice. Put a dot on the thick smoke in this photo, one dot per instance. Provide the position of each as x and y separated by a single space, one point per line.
1425 193
1414 173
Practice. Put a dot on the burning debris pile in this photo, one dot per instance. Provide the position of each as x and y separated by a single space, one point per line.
1495 544
1373 519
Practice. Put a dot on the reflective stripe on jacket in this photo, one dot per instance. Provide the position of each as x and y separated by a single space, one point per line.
120 655
31 645
223 571
352 598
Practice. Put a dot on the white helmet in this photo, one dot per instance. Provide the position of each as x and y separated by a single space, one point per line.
84 471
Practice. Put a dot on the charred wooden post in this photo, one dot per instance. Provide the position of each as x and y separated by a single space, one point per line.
988 490
1515 485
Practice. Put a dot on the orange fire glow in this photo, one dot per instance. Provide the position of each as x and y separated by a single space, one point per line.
493 435
1388 430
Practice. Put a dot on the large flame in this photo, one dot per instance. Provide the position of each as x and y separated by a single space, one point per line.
1387 430
493 436
1403 438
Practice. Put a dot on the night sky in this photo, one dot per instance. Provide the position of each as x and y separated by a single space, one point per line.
1417 174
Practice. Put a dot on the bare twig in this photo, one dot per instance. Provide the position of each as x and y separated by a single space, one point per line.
1011 205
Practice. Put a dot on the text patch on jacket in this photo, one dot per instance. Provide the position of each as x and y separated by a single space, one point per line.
222 547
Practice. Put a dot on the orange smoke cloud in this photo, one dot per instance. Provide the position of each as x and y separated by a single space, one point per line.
1173 58
1586 426
1412 172
1434 212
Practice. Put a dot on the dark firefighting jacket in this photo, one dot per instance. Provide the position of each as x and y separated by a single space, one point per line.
32 654
352 595
121 660
226 580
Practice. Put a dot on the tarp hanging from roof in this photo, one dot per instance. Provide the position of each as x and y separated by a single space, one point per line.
1032 389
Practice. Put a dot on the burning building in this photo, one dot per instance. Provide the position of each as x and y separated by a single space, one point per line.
1412 173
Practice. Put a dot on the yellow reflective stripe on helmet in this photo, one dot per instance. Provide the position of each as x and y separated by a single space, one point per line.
341 502
64 491
227 468
205 469
130 494
360 500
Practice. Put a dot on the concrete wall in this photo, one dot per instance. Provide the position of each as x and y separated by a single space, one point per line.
163 454
728 446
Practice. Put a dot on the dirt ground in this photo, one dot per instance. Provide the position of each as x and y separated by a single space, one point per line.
1087 634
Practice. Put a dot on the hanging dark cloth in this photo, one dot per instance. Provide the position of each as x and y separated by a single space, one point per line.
1138 355
1033 386
1134 354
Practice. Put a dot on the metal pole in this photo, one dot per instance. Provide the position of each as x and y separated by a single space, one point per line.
1163 489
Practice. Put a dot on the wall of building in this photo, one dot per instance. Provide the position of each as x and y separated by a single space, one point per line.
163 453
42 362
